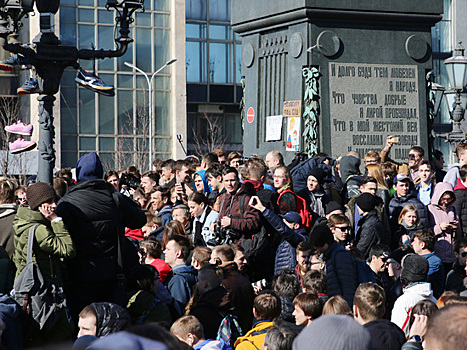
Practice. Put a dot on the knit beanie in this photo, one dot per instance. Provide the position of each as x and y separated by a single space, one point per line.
366 202
332 206
331 332
38 193
414 269
318 173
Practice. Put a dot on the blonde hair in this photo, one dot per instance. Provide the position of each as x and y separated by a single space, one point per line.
375 170
405 210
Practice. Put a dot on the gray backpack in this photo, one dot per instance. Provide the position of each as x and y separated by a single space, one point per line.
42 299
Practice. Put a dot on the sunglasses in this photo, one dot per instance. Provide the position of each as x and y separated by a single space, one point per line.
412 156
344 229
464 254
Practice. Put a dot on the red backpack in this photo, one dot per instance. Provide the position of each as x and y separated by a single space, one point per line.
301 208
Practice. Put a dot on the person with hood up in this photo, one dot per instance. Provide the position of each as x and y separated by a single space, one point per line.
101 319
349 169
443 220
414 276
96 216
200 182
368 309
52 242
204 216
314 194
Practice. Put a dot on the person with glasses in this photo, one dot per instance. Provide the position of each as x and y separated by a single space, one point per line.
378 263
455 277
340 228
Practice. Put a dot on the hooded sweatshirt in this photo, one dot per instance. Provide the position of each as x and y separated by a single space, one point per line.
202 174
437 215
413 293
453 174
89 167
350 169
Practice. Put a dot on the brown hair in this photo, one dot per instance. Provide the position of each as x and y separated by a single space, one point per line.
7 191
88 311
153 247
183 244
423 307
185 325
172 228
373 154
336 305
370 300
447 328
267 306
428 237
60 186
152 219
337 219
202 255
374 170
405 210
461 147
444 298
226 253
287 175
316 282
310 303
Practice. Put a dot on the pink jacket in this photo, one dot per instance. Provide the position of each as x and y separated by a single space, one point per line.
437 215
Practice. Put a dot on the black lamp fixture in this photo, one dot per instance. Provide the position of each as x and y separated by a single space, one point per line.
13 12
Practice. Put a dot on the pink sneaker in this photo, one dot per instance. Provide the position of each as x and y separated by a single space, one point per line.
21 145
20 128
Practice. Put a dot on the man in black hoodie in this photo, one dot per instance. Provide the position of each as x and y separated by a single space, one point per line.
96 216
368 310
349 169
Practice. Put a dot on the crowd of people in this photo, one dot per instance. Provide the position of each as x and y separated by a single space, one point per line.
223 252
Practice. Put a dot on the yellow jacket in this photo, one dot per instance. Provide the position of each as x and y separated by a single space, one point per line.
254 339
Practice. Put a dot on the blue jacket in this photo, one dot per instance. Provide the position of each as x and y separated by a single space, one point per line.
301 171
165 214
202 175
180 282
397 203
435 274
341 272
12 336
285 253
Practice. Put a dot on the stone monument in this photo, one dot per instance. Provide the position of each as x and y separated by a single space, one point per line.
335 76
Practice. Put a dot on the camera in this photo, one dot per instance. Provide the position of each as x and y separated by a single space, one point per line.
129 180
225 235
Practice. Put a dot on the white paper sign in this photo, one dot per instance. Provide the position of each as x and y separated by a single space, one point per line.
274 128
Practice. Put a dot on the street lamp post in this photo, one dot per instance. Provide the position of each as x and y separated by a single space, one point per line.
50 58
150 107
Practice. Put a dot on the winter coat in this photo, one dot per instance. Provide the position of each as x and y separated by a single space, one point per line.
350 175
370 232
287 309
144 308
95 219
455 278
286 251
402 230
207 218
254 339
165 214
7 214
110 318
341 272
317 202
398 203
180 282
12 334
301 172
211 308
385 335
413 293
435 274
461 207
230 206
437 215
50 239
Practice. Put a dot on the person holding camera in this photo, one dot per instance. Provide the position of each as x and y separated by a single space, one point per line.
236 218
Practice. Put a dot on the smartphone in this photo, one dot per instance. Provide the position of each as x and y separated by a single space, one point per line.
394 139
254 201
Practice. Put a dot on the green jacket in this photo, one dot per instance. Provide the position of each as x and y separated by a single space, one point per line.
50 239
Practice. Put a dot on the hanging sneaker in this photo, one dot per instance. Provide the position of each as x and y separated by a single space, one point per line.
20 128
110 93
30 86
15 62
92 81
21 145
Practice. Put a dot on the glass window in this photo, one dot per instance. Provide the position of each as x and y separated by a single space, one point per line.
233 128
68 33
196 30
143 49
105 40
219 10
162 147
125 81
67 14
86 15
86 36
161 47
87 143
220 32
220 70
125 112
126 144
195 9
196 62
107 159
69 143
105 16
162 82
87 111
106 144
106 115
161 5
67 2
161 20
162 103
68 78
143 19
86 2
69 159
128 56
68 122
238 63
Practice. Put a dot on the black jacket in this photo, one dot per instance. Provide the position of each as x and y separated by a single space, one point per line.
371 232
461 206
455 278
341 272
95 216
385 335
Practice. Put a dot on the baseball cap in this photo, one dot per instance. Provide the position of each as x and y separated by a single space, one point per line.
293 217
401 177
